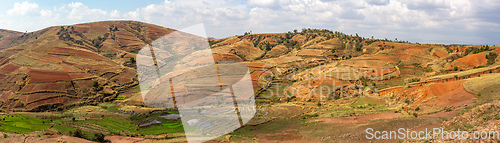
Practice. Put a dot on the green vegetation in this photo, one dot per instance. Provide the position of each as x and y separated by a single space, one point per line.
96 86
22 123
94 127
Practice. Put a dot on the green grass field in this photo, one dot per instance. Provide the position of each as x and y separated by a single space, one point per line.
91 123
22 123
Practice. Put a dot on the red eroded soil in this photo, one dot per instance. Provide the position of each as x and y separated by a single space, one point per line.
80 53
441 94
298 38
474 60
457 97
78 75
440 54
82 29
226 57
58 86
47 76
361 119
269 40
98 28
5 95
8 68
52 58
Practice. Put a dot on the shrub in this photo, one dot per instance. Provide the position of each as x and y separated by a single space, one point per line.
167 137
415 114
132 60
79 42
319 103
5 135
99 137
78 133
95 84
418 108
336 97
447 109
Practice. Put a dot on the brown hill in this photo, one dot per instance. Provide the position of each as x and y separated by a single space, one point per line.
57 67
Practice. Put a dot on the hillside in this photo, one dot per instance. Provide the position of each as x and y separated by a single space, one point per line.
56 67
310 85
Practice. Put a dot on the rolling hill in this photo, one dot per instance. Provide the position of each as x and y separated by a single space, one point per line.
63 66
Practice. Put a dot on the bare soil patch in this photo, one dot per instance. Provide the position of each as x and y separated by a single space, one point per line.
361 119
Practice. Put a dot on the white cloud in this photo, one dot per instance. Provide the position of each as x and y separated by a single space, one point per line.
46 13
115 14
79 11
24 8
263 3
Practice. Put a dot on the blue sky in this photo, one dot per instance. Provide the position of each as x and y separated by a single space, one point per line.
424 21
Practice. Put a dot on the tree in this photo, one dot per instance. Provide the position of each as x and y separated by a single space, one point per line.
132 60
99 137
78 133
95 84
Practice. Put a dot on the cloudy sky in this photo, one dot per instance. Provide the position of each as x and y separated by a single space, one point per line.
424 21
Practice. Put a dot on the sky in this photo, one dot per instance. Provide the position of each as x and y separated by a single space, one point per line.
423 21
